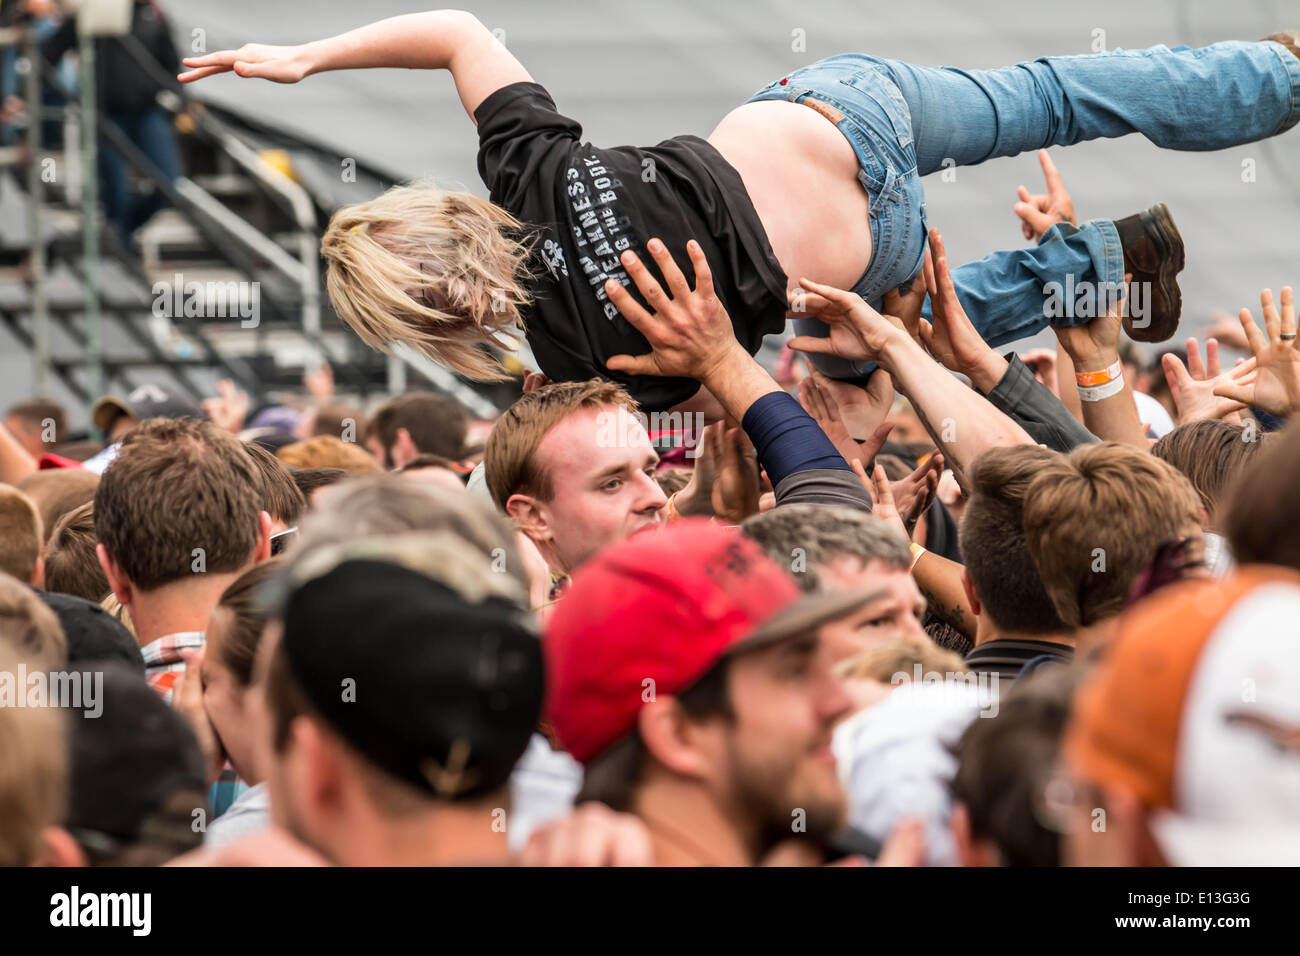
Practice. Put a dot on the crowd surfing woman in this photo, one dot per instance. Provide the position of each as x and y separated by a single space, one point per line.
816 176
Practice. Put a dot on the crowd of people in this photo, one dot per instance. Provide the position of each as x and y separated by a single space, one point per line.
957 608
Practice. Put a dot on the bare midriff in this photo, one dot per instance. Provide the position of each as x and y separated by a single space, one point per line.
802 177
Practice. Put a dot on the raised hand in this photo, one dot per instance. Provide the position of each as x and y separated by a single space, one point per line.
1039 212
914 494
736 487
279 64
1044 364
829 402
906 307
951 337
229 408
1272 382
1192 386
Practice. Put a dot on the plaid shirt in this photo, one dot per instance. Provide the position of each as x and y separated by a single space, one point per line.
163 664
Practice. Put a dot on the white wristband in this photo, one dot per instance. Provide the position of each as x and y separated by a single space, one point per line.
1098 392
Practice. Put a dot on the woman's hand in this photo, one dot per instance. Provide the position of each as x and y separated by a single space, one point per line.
279 64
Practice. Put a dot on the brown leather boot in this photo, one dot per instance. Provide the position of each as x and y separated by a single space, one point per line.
1289 39
1153 255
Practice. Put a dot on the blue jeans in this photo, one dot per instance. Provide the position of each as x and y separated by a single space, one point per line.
152 131
907 121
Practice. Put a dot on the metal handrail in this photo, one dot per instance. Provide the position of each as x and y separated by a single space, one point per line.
206 212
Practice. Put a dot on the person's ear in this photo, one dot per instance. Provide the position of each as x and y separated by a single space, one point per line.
969 590
117 581
263 549
970 851
319 772
674 740
531 517
58 848
404 449
38 573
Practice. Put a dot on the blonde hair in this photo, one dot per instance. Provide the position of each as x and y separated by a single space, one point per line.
882 661
114 607
441 271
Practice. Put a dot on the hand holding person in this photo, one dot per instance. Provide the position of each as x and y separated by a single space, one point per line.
1106 402
1272 382
690 333
951 337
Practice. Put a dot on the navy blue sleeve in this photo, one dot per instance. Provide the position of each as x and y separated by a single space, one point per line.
787 438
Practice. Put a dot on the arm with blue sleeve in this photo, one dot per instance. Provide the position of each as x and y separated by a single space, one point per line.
800 460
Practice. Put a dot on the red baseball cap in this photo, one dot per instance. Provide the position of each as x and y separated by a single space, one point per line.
665 607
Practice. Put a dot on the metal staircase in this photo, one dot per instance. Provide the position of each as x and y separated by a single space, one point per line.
251 210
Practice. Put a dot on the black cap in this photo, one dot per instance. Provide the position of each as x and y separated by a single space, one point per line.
439 691
144 402
125 761
93 634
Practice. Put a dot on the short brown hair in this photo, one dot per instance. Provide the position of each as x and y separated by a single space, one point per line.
309 479
1108 503
510 460
71 564
335 420
326 451
56 491
29 627
281 497
1262 513
33 774
247 612
437 424
21 535
178 484
1209 453
35 412
993 546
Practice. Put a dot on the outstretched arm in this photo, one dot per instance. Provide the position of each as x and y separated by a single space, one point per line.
961 421
452 40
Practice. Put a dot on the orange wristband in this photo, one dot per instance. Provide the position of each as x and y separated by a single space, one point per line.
1101 377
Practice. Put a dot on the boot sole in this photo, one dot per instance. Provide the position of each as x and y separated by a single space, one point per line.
1164 322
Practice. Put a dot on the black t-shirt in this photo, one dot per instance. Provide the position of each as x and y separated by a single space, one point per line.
589 204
